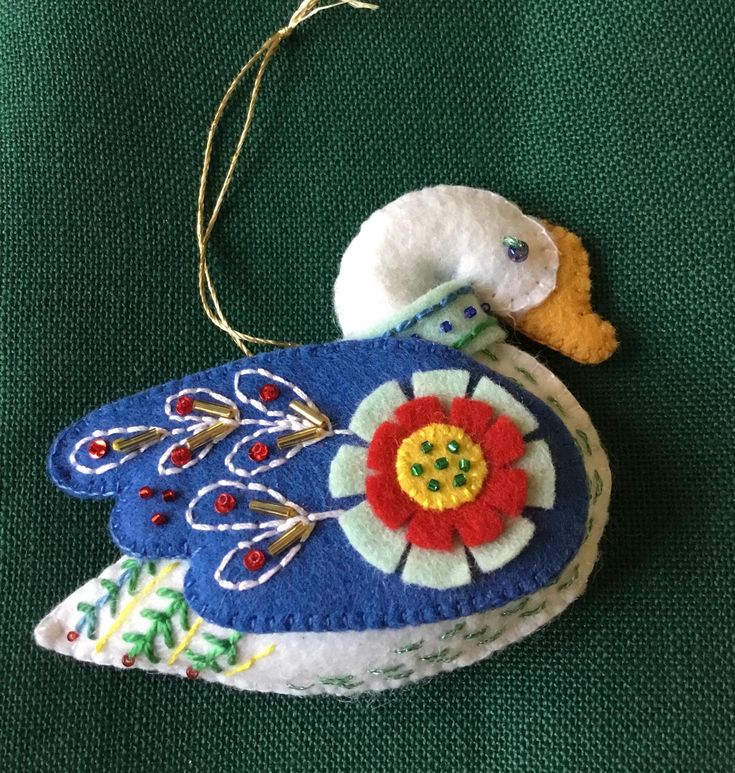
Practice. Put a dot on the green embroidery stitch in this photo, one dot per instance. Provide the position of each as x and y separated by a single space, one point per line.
489 355
160 626
442 656
392 672
299 687
89 619
347 681
596 486
492 637
470 335
515 609
113 594
554 403
528 375
135 568
534 611
218 648
475 634
587 448
563 585
452 631
590 523
409 647
177 607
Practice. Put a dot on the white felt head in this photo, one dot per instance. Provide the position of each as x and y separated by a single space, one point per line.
434 235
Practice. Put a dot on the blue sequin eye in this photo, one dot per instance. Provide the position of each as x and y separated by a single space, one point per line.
517 249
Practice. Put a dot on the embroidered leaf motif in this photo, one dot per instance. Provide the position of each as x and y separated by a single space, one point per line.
89 620
134 569
177 607
218 647
161 625
142 645
113 593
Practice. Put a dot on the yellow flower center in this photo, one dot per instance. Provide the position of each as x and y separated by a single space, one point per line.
440 467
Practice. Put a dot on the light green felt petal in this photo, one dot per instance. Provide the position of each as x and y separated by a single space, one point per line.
539 467
348 471
493 555
437 568
505 403
376 408
445 384
373 540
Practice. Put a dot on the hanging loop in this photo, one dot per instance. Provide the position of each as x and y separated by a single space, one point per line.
205 225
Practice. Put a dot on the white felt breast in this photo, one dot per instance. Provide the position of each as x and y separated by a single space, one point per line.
436 234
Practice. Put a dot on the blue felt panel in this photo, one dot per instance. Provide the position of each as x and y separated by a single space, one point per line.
327 586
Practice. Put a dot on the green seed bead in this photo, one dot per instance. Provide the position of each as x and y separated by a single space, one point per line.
427 447
464 465
453 446
433 485
459 480
417 469
441 463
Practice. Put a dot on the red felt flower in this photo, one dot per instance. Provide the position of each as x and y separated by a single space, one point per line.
445 476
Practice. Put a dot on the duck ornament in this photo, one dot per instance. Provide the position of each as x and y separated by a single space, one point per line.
363 514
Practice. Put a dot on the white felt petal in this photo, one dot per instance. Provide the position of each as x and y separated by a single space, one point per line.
503 402
445 384
493 555
436 234
376 408
539 467
437 568
372 539
348 471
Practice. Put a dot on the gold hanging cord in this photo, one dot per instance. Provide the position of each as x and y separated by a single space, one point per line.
207 290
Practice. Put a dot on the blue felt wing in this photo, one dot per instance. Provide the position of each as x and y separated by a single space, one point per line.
163 509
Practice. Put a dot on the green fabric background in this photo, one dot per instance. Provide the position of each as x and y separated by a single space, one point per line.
611 118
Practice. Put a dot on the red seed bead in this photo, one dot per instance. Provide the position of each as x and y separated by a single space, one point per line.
159 519
72 636
192 673
259 452
169 495
254 560
269 393
97 448
184 405
180 456
225 503
127 661
145 492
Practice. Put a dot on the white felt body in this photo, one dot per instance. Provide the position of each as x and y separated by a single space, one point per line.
431 236
349 663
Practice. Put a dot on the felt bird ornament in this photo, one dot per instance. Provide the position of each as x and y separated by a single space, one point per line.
362 514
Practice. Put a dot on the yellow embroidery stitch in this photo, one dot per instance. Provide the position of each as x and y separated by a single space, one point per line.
185 641
251 661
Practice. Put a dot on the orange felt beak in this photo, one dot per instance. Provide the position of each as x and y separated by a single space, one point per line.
564 320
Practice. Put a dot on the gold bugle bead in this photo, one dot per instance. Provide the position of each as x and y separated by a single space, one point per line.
215 409
134 442
272 508
301 436
214 432
310 414
290 537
